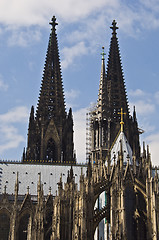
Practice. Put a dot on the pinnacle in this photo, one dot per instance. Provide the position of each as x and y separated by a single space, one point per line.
103 54
51 93
114 76
53 22
114 27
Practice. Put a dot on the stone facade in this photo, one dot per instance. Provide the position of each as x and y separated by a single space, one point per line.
116 167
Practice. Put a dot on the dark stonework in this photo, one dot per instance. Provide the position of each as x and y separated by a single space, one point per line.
130 186
50 132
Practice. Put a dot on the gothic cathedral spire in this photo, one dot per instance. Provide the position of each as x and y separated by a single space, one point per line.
116 90
50 132
102 95
112 97
51 100
117 97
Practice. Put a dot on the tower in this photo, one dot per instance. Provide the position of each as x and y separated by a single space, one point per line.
50 132
120 170
114 197
112 97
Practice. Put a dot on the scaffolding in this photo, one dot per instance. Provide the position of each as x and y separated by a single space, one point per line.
91 112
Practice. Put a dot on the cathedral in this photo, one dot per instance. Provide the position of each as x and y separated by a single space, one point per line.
49 196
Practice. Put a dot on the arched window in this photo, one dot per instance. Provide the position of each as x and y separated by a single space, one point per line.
4 226
37 149
51 150
23 227
101 217
129 210
48 224
141 224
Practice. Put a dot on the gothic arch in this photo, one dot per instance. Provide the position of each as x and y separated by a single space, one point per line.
48 224
99 231
23 221
4 224
48 233
101 210
129 199
100 187
37 148
51 151
141 219
51 142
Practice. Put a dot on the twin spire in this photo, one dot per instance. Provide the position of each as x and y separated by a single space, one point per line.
112 103
112 93
51 100
50 132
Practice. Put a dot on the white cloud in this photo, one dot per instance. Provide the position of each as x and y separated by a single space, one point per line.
137 93
91 16
156 96
24 38
153 141
142 107
144 102
131 17
70 97
72 94
17 114
28 12
70 53
11 138
3 85
151 4
80 134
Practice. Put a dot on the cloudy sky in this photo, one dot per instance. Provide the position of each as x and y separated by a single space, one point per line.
82 31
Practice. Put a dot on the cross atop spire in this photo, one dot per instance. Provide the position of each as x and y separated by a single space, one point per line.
53 22
114 27
103 54
122 119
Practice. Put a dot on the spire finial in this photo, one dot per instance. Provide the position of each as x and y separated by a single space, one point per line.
103 54
28 189
53 22
114 158
114 27
17 184
121 147
39 182
5 188
134 114
50 190
122 119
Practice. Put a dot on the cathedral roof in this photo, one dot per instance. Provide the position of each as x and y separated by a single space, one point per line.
121 143
28 175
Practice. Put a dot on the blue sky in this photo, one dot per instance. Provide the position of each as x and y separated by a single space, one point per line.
82 31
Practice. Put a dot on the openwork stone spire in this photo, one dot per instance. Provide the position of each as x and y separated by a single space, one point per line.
102 95
51 100
50 133
112 97
117 97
